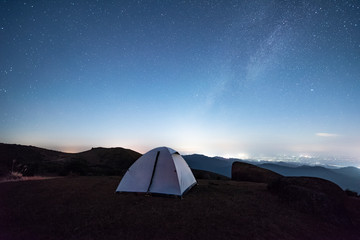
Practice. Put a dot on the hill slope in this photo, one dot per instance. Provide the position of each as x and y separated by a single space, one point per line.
88 208
241 171
30 160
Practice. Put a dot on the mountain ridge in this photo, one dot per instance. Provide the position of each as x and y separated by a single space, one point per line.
31 160
345 177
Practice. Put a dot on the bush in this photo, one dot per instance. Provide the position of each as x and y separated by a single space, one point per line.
15 176
351 193
30 170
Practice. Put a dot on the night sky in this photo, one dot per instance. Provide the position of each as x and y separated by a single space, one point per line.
257 79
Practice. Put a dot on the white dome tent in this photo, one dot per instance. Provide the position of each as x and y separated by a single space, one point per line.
160 171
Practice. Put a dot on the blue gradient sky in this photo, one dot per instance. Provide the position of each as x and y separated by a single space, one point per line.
228 78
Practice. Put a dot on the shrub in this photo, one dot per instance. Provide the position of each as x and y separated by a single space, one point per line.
351 193
14 176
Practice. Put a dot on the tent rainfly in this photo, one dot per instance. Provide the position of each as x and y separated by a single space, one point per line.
160 171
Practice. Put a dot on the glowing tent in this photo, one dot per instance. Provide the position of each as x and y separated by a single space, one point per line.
161 171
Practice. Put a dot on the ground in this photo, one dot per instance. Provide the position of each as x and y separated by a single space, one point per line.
88 208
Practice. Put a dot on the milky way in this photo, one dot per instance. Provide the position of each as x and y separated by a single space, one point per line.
214 77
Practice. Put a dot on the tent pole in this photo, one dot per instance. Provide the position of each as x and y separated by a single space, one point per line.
152 176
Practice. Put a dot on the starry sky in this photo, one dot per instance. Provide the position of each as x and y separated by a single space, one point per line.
245 79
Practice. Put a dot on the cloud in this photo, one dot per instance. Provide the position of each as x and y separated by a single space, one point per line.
326 135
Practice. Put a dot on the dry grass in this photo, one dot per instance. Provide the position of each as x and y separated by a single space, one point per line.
88 208
16 176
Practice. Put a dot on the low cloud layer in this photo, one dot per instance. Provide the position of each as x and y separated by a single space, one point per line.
327 135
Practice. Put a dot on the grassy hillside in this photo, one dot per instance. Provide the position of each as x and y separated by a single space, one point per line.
88 208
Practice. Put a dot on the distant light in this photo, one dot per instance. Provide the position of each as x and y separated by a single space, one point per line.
243 155
238 155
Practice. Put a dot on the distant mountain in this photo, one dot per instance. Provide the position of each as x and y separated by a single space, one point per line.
210 164
349 171
346 178
30 160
